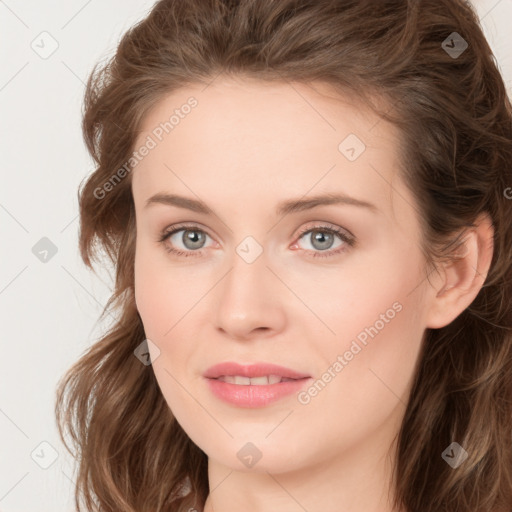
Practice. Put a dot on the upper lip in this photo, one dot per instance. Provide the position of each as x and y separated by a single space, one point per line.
251 370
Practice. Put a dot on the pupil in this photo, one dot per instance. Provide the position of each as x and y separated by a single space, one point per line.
321 236
193 237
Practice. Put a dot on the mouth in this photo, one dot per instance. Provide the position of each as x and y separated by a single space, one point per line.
255 385
253 374
264 380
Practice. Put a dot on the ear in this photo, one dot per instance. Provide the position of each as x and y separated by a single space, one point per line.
461 280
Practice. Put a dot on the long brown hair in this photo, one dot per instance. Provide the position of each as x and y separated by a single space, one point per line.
455 119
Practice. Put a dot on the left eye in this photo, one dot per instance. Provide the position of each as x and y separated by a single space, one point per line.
323 241
193 239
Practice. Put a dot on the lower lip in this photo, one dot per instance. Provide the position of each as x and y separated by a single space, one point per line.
255 396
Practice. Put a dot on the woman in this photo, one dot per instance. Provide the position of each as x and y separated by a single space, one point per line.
307 204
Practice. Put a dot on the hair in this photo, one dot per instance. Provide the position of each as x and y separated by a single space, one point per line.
454 120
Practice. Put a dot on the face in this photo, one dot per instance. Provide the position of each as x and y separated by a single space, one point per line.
332 291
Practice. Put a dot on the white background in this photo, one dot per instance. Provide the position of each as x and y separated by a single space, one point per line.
49 310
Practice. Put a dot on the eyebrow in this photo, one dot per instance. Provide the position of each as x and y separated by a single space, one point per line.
283 208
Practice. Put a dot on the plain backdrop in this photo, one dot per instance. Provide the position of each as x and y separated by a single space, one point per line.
49 301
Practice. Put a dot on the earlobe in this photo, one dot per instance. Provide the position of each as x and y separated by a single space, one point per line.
464 276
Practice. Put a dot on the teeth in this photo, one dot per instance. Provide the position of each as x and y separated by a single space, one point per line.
274 379
253 381
258 381
244 381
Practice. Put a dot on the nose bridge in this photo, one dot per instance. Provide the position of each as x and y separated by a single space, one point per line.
248 277
248 297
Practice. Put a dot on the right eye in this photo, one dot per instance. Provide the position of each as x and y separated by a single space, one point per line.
193 236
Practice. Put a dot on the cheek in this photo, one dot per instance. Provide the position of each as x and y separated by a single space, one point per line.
152 293
365 385
379 355
166 298
159 304
377 329
144 290
368 290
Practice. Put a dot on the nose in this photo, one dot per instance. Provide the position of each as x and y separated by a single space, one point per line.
249 301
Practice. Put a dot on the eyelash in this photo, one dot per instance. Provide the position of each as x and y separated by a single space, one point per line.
316 254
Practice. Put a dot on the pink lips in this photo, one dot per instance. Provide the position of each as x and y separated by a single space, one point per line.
252 396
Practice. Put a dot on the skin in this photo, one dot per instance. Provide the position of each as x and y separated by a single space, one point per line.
246 147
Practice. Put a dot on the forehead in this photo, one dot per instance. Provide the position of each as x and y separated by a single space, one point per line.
253 137
252 112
